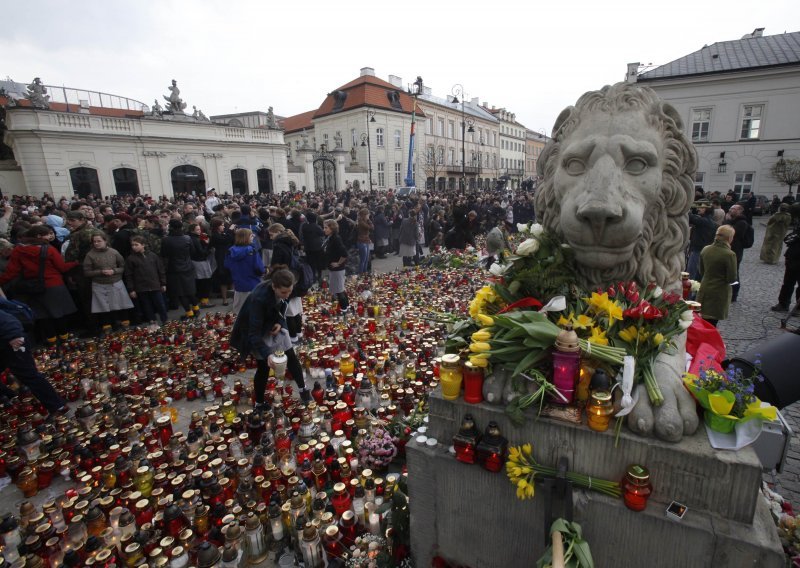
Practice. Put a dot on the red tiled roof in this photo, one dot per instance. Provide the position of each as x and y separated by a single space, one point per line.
97 111
298 122
369 91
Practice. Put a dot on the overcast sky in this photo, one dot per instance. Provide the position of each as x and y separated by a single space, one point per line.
240 55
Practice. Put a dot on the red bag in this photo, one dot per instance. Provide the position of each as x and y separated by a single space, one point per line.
705 345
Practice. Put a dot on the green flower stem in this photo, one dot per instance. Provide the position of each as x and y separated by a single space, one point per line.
653 390
610 488
606 353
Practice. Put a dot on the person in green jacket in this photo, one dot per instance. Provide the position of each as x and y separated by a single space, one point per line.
777 226
718 272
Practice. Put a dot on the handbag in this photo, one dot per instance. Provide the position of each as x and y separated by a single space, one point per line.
279 342
34 287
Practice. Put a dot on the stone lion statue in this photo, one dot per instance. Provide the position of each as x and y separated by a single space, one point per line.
618 181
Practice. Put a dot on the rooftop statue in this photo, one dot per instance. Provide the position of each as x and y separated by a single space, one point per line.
37 94
156 110
617 185
175 104
271 119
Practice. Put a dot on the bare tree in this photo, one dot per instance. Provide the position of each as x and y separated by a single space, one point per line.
432 169
787 172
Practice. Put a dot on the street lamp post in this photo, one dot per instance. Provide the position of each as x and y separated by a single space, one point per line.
458 91
365 142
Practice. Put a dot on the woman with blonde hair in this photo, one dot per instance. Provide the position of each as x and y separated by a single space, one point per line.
718 272
245 265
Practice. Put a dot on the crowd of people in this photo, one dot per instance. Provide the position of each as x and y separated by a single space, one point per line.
721 230
88 265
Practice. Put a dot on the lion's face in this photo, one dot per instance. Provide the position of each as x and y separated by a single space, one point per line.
607 176
617 183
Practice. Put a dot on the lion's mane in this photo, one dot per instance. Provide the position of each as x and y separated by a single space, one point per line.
658 256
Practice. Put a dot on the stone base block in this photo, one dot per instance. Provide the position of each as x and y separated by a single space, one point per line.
722 483
472 517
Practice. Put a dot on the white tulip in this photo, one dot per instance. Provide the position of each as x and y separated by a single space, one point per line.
537 229
685 324
687 315
498 269
657 292
522 227
528 247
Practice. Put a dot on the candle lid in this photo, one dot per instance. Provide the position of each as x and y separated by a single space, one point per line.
639 472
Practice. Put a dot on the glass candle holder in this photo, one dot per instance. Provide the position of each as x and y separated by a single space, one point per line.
599 411
473 383
566 366
466 441
636 487
491 450
27 482
450 376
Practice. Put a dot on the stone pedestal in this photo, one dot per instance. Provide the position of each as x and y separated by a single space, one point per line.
472 517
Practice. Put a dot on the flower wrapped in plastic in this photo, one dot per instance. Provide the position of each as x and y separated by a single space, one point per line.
728 401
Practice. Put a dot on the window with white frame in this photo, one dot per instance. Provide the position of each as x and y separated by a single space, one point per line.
397 141
398 177
379 137
751 121
451 156
429 129
440 155
440 129
430 155
699 180
743 183
325 139
353 136
451 129
701 122
381 174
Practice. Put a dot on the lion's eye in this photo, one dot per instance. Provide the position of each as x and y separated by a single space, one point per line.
635 166
574 167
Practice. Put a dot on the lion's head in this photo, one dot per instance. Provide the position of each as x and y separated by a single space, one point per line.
618 180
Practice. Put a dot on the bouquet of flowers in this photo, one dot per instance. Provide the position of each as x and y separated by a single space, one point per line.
728 397
377 450
640 321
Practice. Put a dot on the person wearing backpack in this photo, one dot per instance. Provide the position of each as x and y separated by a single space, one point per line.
743 239
54 303
244 263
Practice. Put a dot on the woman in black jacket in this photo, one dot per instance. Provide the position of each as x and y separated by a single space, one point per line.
284 243
312 237
176 251
336 259
264 315
222 240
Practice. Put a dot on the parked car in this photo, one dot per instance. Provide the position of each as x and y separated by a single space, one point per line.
762 205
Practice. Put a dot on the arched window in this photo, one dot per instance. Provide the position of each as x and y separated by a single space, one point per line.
264 177
239 181
379 137
126 181
85 182
188 179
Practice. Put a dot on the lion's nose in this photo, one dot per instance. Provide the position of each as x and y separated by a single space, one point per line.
599 214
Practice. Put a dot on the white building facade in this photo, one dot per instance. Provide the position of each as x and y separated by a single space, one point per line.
67 150
740 104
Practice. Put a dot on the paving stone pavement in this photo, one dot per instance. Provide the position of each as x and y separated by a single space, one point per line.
751 323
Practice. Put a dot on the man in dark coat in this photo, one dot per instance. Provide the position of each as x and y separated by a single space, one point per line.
737 220
703 229
16 354
791 276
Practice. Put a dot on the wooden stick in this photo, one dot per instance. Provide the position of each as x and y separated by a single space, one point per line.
558 550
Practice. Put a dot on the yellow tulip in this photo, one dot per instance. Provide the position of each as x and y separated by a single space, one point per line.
479 347
484 319
629 334
527 449
481 335
482 362
658 339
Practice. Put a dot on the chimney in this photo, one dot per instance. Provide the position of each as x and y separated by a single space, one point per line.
396 81
484 104
475 101
633 73
427 91
367 72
